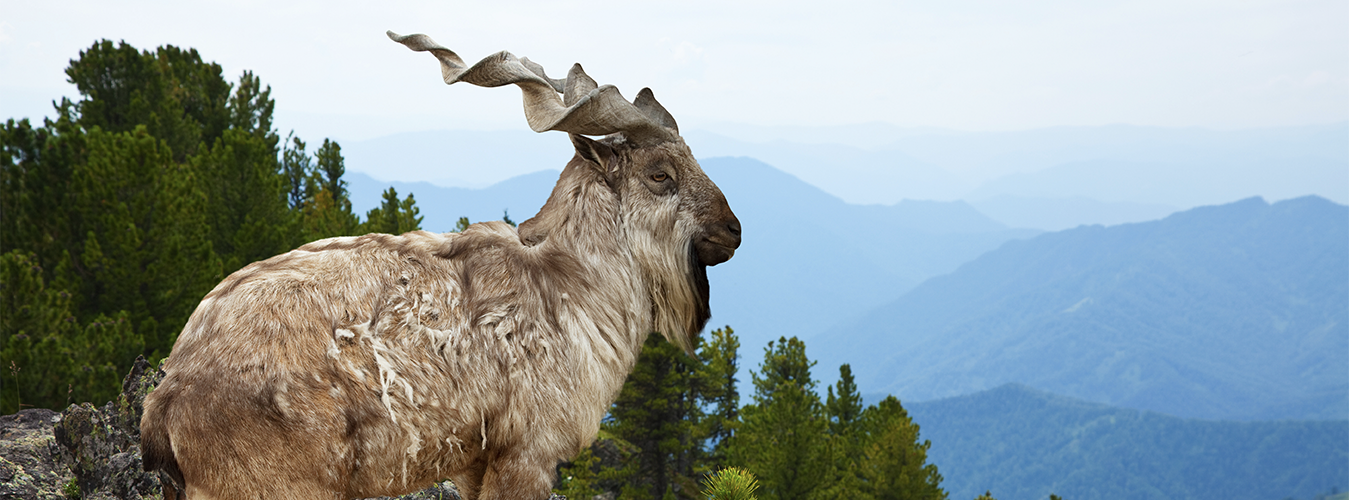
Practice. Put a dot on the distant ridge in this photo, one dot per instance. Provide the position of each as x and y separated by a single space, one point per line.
1236 311
1180 167
1024 444
808 260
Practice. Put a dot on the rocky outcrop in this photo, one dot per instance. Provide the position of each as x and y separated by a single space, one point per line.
101 446
30 465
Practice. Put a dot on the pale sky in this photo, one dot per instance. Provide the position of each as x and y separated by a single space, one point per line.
965 65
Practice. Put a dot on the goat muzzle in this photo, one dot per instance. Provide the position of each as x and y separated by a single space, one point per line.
719 242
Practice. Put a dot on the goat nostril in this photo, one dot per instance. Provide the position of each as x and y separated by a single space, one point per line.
735 228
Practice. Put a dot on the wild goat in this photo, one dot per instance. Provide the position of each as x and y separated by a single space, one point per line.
375 365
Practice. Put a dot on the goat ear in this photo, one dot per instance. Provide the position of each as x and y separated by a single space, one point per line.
602 156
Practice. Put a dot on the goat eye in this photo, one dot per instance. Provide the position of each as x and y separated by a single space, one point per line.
659 177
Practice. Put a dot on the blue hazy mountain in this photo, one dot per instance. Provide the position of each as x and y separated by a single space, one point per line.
1049 179
1059 213
1181 167
1236 311
1023 444
808 260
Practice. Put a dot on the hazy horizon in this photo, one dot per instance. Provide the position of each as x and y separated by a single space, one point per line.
967 67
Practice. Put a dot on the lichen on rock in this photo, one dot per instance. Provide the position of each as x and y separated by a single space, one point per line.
29 466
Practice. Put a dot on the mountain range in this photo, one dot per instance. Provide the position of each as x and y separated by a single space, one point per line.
1236 311
1047 179
1147 349
1183 167
1232 311
1022 444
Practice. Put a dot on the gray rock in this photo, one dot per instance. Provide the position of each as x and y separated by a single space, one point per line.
29 467
101 447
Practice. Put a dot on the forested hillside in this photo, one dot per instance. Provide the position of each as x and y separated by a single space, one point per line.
1236 311
1024 444
120 214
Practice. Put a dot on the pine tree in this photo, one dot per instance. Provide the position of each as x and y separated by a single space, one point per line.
780 439
845 409
140 196
393 216
297 169
895 464
246 187
717 392
35 188
656 412
845 440
331 167
174 94
250 108
328 211
48 358
145 247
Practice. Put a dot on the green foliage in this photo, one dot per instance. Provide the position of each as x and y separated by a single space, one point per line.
716 384
250 108
174 94
985 496
72 489
48 357
846 441
670 425
656 412
844 409
895 461
780 439
802 449
578 479
330 166
247 206
393 216
461 225
731 483
117 216
316 193
145 240
297 168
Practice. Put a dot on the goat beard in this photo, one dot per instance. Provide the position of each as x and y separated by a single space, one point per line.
698 283
680 300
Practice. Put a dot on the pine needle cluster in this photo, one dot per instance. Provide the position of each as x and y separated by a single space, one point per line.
731 483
